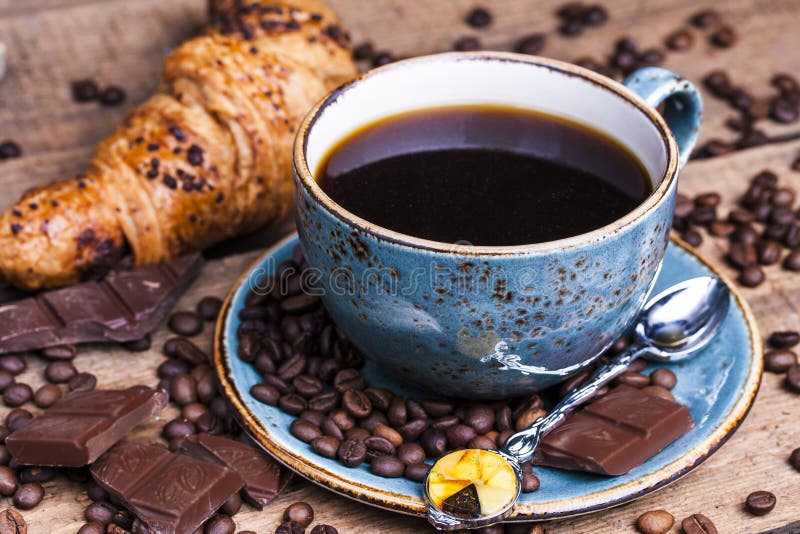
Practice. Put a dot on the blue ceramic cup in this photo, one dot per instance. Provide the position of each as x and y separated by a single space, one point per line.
483 321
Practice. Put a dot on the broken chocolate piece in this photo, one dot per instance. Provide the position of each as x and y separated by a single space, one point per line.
615 433
124 306
463 503
81 426
169 492
263 476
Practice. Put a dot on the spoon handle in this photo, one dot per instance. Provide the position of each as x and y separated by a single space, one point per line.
522 444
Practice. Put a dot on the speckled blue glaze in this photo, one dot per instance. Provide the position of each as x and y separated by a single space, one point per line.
717 386
436 315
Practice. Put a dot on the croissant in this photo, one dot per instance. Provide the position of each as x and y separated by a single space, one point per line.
206 158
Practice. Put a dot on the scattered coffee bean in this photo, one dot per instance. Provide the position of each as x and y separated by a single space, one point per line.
28 496
60 352
9 149
760 502
784 339
304 431
138 345
220 524
663 377
467 44
387 467
352 452
679 41
792 261
705 19
12 522
17 418
92 528
479 18
723 37
794 461
633 379
655 522
658 391
178 428
364 51
82 382
17 394
323 529
208 308
47 395
752 276
84 90
59 372
185 323
13 364
698 524
532 44
793 378
326 446
99 512
8 481
112 96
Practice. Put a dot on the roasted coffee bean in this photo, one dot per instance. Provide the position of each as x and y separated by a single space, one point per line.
783 197
380 398
713 148
324 402
183 389
326 446
534 401
388 433
208 424
278 383
178 428
17 394
459 435
138 345
342 419
17 418
99 512
760 502
308 386
357 433
417 471
364 51
329 368
784 111
794 461
721 229
443 423
352 452
411 453
793 378
437 408
13 364
769 252
530 482
378 446
5 456
28 495
46 395
95 492
782 215
775 232
434 442
663 377
292 403
299 303
208 308
413 429
112 96
221 524
193 411
59 372
652 56
264 364
742 255
323 529
710 199
723 37
779 360
481 442
480 417
692 237
531 44
387 467
4 432
503 419
12 522
633 379
356 403
186 350
752 276
96 528
467 44
373 420
300 512
304 431
289 527
655 522
745 235
8 481
708 18
9 149
60 352
679 40
185 323
314 417
792 261
172 367
683 206
397 413
478 18
528 417
84 90
784 339
348 379
82 382
698 524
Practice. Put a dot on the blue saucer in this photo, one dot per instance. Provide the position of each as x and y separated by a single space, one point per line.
718 386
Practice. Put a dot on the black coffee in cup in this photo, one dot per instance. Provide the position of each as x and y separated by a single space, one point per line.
486 175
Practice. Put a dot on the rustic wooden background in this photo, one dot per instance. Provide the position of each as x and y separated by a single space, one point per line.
52 42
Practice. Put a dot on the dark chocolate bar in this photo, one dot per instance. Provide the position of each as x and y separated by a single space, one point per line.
169 492
81 426
615 433
124 306
263 476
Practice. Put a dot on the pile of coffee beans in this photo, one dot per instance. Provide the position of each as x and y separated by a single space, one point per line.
87 90
783 107
763 230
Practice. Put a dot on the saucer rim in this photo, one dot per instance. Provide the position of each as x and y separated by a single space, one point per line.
567 507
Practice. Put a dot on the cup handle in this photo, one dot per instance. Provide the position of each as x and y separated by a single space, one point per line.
683 106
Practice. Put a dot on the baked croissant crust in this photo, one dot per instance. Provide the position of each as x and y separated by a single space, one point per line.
205 159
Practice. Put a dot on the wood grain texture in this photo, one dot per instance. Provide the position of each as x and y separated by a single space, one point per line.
52 42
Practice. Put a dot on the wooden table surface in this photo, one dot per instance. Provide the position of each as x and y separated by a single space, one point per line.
52 42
